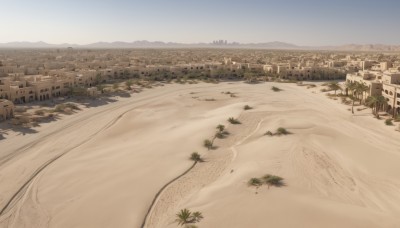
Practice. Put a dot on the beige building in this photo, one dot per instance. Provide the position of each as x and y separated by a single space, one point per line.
371 79
6 109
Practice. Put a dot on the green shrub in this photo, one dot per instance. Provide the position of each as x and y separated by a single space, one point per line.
272 180
276 89
282 131
233 121
255 182
40 112
247 107
389 122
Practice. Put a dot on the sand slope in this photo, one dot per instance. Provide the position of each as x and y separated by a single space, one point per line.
103 166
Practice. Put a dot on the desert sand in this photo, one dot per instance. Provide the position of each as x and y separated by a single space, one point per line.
103 166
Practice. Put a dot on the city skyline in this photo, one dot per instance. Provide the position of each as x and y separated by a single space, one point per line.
311 23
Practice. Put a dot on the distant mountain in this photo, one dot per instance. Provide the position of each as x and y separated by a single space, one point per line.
277 45
149 44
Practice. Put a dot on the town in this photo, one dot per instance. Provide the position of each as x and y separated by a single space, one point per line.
41 75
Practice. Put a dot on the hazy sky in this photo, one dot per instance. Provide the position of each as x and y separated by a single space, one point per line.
302 22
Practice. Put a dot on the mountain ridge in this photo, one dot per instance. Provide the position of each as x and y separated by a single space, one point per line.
278 45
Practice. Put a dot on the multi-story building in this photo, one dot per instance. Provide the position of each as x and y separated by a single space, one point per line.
385 83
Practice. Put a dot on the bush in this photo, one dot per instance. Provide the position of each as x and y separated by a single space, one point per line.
60 108
233 121
39 112
72 106
255 182
282 131
269 133
276 89
389 122
272 180
247 107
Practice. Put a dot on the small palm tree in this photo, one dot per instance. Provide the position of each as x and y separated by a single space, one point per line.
197 216
272 180
208 143
196 157
361 90
255 182
352 87
184 217
221 127
334 86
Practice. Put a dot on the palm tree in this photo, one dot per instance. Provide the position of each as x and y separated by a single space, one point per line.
352 87
184 217
197 216
196 157
208 143
272 180
334 86
376 102
361 89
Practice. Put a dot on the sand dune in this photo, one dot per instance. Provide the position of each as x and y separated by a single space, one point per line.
103 166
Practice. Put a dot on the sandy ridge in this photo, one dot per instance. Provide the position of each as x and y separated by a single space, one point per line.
204 173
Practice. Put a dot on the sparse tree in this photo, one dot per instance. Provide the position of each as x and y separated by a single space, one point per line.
334 86
208 144
221 127
196 157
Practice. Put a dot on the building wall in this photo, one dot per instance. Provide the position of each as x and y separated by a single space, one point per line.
6 110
